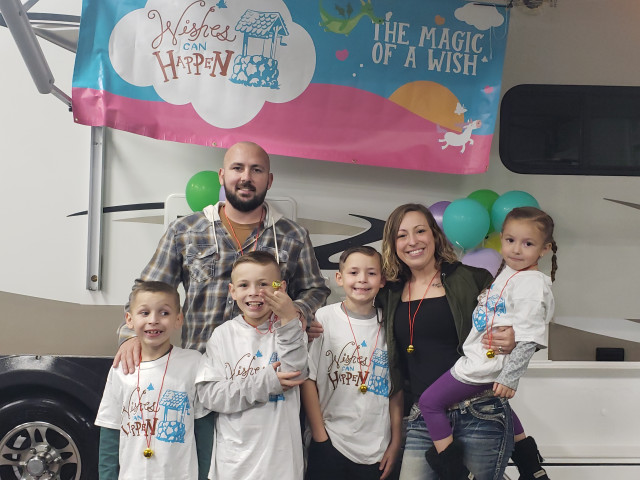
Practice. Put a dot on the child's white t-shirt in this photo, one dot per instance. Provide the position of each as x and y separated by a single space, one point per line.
171 433
258 433
526 304
358 424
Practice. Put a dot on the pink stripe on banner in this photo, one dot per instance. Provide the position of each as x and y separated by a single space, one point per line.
319 124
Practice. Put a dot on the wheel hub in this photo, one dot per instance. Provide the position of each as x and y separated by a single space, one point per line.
39 451
36 466
42 462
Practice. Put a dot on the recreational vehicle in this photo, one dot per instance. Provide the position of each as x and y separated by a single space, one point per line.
83 208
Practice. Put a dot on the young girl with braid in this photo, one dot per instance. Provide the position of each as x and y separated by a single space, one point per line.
519 297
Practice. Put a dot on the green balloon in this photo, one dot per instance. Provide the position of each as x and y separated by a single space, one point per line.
486 198
203 189
507 202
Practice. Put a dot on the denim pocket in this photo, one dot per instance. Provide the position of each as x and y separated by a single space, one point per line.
489 409
202 260
485 430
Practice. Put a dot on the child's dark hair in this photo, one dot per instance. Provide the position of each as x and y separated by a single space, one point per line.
363 249
545 224
155 287
258 257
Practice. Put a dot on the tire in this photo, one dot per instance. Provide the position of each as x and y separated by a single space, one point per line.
47 439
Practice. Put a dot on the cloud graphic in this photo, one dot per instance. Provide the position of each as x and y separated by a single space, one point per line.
483 17
182 49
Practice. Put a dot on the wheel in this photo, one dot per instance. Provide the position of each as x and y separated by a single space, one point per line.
46 439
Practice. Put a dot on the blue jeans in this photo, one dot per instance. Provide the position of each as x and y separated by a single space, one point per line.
484 429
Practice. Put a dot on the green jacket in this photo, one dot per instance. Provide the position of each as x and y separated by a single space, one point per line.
462 285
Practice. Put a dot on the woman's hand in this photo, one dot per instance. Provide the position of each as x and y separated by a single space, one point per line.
503 340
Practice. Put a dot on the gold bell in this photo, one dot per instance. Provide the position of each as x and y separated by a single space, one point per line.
276 285
148 453
410 349
363 388
491 353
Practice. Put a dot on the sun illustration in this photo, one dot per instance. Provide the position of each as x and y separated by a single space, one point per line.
431 101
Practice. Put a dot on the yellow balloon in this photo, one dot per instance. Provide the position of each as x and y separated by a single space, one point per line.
493 241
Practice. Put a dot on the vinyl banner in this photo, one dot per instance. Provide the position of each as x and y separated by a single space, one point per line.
409 84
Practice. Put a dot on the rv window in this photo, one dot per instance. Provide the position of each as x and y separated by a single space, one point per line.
571 130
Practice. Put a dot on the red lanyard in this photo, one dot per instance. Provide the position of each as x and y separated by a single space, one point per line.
233 232
148 453
363 378
272 319
489 330
412 320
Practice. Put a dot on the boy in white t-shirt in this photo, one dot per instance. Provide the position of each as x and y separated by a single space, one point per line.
250 375
150 419
355 426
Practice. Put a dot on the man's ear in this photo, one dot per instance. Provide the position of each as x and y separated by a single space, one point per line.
232 291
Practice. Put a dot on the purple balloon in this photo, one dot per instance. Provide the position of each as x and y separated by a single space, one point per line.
486 258
223 196
437 210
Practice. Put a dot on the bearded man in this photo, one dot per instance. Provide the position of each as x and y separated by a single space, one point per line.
199 250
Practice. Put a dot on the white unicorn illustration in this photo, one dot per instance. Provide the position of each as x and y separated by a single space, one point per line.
460 139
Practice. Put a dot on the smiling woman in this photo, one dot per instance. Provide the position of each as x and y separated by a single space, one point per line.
427 306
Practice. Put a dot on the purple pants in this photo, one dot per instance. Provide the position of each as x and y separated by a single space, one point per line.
442 394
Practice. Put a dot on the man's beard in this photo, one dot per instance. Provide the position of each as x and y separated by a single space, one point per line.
244 205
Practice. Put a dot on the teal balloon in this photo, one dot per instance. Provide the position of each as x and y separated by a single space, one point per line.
465 223
507 202
203 189
486 198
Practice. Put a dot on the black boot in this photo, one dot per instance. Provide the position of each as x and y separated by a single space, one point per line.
448 463
528 459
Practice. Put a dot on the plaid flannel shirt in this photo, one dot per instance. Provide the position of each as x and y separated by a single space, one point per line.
199 252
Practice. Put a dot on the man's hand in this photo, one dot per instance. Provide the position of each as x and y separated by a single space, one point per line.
503 391
314 330
503 340
129 355
285 378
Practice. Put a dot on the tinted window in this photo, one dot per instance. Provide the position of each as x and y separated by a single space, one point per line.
569 129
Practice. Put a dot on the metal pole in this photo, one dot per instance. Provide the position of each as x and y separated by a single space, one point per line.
96 197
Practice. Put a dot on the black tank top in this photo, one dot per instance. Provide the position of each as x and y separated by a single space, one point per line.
434 338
